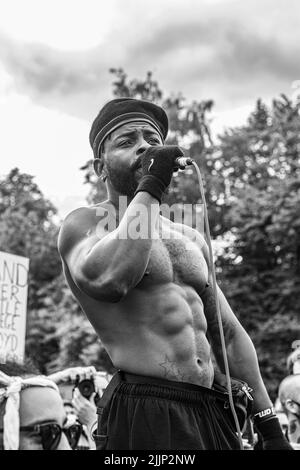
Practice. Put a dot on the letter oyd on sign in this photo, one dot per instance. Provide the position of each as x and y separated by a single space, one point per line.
13 306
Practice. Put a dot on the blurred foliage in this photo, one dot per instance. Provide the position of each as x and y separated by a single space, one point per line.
252 185
260 269
27 229
54 319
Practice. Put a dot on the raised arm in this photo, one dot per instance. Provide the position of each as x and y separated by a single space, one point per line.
107 265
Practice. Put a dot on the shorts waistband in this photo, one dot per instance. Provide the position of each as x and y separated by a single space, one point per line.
136 378
155 386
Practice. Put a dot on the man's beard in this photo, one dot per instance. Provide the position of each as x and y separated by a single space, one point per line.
123 181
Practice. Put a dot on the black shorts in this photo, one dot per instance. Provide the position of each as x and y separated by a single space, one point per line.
147 413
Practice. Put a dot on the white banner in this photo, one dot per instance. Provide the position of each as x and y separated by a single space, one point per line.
13 306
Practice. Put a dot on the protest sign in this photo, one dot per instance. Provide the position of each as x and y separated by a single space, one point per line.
13 306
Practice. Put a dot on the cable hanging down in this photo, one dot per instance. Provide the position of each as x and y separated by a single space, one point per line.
213 273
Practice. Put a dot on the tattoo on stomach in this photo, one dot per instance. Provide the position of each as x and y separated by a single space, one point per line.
171 370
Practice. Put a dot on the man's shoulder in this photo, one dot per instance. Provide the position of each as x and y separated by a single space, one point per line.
78 217
76 225
83 215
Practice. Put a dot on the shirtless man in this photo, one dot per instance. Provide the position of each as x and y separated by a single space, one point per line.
149 299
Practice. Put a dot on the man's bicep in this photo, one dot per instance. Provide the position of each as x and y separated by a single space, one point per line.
229 319
77 259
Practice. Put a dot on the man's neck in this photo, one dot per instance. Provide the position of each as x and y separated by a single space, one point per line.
119 201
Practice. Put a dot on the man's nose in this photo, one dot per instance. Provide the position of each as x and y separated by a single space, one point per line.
143 145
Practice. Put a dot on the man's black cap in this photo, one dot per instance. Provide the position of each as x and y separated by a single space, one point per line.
121 111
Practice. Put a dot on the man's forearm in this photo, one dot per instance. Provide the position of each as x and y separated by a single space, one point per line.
241 354
243 364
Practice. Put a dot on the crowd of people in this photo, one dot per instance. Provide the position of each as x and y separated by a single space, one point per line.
55 412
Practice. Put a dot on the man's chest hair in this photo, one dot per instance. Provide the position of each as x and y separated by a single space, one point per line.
177 260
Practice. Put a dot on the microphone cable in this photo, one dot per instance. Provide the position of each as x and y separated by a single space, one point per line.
190 161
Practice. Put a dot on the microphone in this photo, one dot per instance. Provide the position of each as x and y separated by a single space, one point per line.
179 163
183 161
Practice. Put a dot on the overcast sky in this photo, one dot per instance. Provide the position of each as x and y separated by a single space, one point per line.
55 57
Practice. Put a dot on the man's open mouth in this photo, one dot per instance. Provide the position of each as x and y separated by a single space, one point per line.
137 165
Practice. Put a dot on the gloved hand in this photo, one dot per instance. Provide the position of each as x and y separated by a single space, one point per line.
158 165
272 435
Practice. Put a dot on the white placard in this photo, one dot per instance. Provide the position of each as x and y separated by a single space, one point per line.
13 306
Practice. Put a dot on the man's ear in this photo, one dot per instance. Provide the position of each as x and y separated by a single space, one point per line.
290 406
98 166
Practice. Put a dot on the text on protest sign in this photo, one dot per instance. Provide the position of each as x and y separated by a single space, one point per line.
13 306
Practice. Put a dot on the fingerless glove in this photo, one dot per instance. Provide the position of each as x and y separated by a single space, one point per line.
158 165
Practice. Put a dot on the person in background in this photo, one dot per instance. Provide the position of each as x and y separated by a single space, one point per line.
282 417
32 416
77 406
293 360
289 396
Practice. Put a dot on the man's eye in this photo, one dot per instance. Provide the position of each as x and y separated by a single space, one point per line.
125 142
154 141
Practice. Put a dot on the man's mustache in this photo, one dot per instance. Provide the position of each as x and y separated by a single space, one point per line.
136 165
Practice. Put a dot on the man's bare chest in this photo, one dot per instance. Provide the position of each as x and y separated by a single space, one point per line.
176 259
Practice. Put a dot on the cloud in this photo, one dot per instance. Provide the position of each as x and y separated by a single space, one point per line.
229 51
234 46
47 70
57 77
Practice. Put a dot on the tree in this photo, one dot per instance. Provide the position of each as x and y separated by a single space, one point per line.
260 270
27 229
